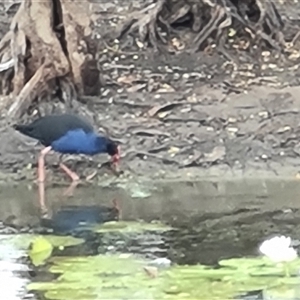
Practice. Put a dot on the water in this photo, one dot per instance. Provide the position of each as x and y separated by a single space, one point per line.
213 220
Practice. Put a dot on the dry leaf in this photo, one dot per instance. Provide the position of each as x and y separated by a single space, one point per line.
163 114
136 88
231 32
272 66
266 53
150 132
127 79
173 150
217 153
177 44
193 98
139 44
162 108
151 271
232 129
284 129
294 55
165 88
192 160
244 45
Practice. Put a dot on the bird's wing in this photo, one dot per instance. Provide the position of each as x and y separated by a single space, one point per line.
53 127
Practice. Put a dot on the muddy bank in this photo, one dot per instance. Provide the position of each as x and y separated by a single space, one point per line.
203 133
182 116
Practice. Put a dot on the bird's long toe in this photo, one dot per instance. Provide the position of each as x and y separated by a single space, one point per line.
91 176
70 173
69 192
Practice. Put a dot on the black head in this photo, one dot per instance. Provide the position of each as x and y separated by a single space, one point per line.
113 149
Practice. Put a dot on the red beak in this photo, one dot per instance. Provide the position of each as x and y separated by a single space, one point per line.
116 157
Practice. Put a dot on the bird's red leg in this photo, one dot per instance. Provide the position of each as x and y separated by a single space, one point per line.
70 190
42 201
117 207
115 161
41 179
41 164
70 173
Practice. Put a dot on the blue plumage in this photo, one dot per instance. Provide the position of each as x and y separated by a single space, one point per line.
80 142
68 134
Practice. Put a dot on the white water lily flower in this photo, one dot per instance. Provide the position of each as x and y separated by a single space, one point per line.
278 249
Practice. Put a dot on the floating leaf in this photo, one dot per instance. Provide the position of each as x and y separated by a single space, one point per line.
124 277
40 250
123 226
200 271
22 241
63 241
282 292
244 263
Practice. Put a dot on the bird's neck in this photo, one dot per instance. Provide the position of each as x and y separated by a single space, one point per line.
101 144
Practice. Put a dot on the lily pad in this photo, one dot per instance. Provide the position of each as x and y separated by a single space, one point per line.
200 271
245 263
283 292
260 266
40 250
23 241
123 277
113 277
128 227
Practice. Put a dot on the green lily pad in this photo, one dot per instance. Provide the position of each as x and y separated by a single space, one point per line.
113 277
127 227
200 271
123 277
40 250
23 241
69 294
283 292
245 263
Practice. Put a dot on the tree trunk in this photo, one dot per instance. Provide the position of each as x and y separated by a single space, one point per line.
48 45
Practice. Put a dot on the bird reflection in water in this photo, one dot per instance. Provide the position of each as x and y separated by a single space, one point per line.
41 194
68 219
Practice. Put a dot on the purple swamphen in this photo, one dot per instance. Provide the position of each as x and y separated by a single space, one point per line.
67 134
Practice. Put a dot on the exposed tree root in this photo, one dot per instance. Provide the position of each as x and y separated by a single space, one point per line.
146 22
257 22
47 46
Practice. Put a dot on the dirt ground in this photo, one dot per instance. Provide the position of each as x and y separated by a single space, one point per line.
180 116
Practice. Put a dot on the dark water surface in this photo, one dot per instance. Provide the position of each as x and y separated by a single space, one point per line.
211 220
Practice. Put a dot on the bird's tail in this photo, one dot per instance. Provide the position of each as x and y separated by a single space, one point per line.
25 129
